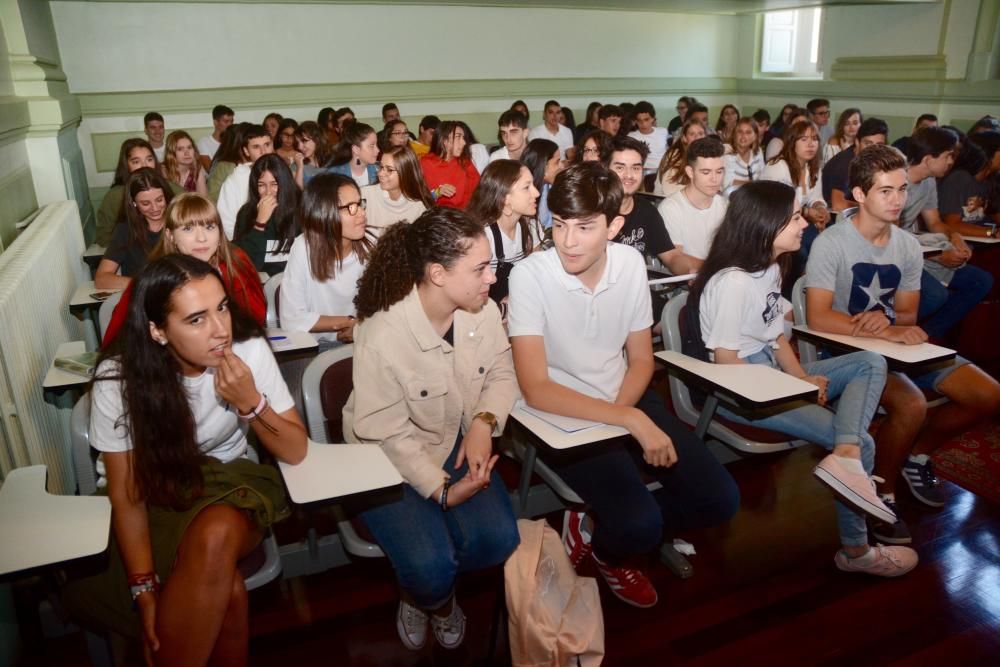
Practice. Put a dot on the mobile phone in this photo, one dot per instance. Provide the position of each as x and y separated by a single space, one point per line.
100 296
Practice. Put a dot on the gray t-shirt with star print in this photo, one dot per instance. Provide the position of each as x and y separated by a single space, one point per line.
863 276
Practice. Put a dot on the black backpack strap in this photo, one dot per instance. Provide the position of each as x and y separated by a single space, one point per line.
497 242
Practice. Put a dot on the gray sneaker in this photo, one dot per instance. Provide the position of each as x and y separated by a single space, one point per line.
411 624
923 483
450 630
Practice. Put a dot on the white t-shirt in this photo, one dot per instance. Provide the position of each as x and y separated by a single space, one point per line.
563 137
656 141
512 251
480 156
778 171
692 229
500 154
219 432
773 149
383 212
742 311
232 196
207 145
584 331
160 152
304 299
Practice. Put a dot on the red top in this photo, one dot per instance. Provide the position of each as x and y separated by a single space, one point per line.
247 292
437 172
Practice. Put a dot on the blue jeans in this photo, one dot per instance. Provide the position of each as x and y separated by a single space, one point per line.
856 380
946 306
629 520
429 548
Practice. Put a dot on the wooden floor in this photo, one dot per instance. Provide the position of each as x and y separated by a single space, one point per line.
765 591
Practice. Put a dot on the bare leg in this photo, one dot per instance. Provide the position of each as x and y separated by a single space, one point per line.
905 409
231 646
974 398
196 599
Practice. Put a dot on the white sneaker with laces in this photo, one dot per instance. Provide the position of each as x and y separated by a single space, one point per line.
449 630
411 624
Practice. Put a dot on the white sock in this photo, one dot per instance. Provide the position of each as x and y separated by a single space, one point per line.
852 465
920 459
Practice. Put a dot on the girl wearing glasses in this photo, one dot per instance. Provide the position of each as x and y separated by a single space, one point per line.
326 261
394 134
401 194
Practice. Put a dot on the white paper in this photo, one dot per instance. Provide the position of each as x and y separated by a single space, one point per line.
565 424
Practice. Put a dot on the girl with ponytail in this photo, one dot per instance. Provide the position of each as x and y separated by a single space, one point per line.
433 384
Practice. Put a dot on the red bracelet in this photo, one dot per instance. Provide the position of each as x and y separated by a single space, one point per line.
256 412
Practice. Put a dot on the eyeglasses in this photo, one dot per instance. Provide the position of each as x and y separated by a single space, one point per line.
352 208
399 133
387 169
590 150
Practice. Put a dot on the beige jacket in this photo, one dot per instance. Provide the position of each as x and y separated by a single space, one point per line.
414 393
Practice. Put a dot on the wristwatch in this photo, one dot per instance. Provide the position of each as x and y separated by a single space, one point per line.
489 418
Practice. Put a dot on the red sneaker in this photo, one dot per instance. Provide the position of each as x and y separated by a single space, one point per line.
575 537
628 584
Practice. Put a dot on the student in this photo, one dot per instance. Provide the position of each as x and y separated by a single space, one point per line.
968 195
744 160
326 123
775 145
152 125
784 119
193 228
401 194
285 148
310 140
655 138
609 119
506 205
726 124
433 384
134 154
947 295
553 131
763 120
357 154
574 310
182 166
692 214
670 175
923 120
147 195
594 146
272 123
541 157
590 122
798 165
819 113
235 190
513 134
864 280
683 104
425 135
520 106
448 169
738 304
845 135
393 135
222 118
226 158
265 225
478 152
171 404
834 177
326 261
342 118
697 113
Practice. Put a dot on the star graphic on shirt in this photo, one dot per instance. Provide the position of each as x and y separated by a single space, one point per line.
874 291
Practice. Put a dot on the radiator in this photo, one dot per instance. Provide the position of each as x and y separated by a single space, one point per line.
38 274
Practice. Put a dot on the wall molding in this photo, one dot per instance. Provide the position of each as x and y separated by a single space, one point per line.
894 68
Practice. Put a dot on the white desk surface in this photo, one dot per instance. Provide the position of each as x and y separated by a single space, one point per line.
94 251
754 382
81 297
673 279
907 354
980 239
336 470
57 378
41 529
283 340
556 438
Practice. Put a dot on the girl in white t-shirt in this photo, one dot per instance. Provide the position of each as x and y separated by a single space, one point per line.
326 261
401 194
670 176
737 298
172 402
506 203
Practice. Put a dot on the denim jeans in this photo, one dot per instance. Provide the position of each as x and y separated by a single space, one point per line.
967 288
629 520
429 548
856 382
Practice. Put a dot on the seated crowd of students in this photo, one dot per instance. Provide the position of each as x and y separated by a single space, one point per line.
467 279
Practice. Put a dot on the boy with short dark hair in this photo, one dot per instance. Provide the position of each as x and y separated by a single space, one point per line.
222 118
819 113
152 125
835 189
513 133
425 135
609 119
654 137
235 189
574 310
552 130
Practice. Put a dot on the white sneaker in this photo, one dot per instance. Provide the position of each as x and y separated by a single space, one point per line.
450 630
411 624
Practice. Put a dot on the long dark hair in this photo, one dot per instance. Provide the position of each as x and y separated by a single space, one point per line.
354 134
536 155
757 213
319 219
138 181
230 144
446 130
288 200
165 458
121 171
439 236
487 203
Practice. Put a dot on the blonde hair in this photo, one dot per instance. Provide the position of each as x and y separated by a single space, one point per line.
170 167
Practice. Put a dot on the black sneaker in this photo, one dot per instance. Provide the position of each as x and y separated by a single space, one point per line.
890 533
923 483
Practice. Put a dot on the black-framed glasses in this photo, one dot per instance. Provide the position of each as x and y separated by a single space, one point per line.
353 207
